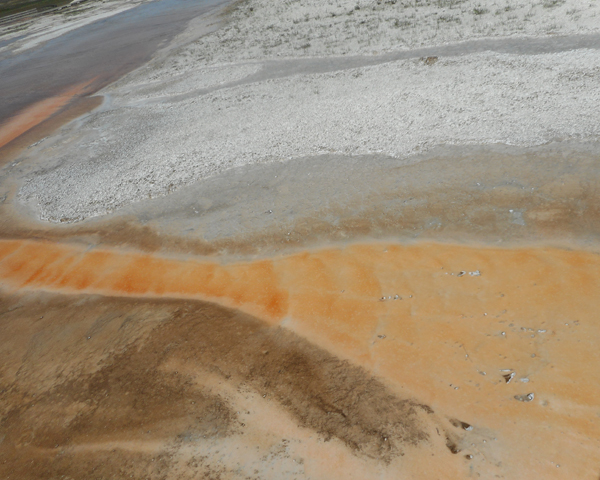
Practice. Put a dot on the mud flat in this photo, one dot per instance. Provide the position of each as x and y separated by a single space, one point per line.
337 256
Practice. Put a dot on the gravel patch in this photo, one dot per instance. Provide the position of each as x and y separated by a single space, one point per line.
270 29
396 109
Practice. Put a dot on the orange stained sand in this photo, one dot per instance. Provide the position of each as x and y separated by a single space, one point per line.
37 113
449 339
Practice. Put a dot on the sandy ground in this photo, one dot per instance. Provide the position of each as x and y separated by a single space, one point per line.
479 348
262 260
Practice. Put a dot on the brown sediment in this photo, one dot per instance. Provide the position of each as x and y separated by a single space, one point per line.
443 323
154 394
44 117
569 218
549 195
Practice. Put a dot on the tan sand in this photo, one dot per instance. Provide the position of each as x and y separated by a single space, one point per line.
449 341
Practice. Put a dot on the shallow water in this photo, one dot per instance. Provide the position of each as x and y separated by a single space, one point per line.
100 52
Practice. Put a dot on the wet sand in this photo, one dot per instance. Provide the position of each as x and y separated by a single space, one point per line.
469 332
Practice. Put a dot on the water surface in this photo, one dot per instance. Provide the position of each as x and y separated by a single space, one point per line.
101 51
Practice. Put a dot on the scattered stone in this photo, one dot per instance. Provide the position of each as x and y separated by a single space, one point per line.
525 398
460 424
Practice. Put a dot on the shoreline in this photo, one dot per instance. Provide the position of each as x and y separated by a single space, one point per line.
475 195
92 86
76 108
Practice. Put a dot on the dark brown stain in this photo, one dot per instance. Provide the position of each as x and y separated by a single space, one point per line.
331 396
131 397
452 444
458 424
560 211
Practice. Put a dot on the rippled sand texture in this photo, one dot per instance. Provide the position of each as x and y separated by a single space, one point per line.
473 361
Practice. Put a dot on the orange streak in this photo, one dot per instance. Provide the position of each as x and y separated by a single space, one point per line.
37 113
532 310
56 267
